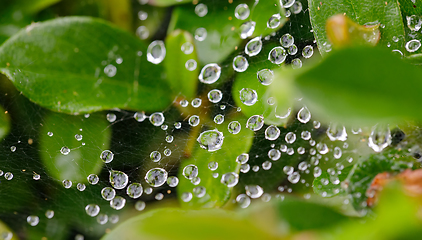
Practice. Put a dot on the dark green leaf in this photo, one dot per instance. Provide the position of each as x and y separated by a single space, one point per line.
182 81
59 59
330 189
4 123
369 12
411 7
84 156
217 193
188 225
305 215
360 86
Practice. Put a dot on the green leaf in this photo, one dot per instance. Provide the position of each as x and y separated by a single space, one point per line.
360 86
5 232
182 81
330 189
364 173
4 123
58 58
84 156
217 194
188 225
369 12
411 7
305 215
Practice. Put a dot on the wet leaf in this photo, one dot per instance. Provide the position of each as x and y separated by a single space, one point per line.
262 11
83 157
4 123
217 194
387 13
165 3
188 225
360 86
411 7
182 81
305 215
58 59
330 189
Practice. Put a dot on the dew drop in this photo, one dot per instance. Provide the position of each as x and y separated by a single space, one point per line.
66 183
200 34
287 3
190 64
230 179
240 63
64 150
201 10
274 154
307 51
118 203
265 76
210 73
234 127
33 220
272 133
157 119
290 137
190 171
93 179
255 122
336 132
304 115
274 21
134 190
413 45
379 138
248 96
118 179
156 52
253 47
287 40
254 191
241 11
155 156
194 120
219 119
243 200
242 158
211 140
277 55
108 193
215 96
140 205
139 116
172 181
212 165
107 156
92 210
156 177
247 29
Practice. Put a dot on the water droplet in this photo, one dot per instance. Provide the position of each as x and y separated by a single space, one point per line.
274 21
306 135
156 52
379 138
172 181
156 177
242 158
296 7
142 32
107 156
211 140
248 96
219 119
336 132
50 134
199 191
200 34
272 133
6 235
304 115
134 190
102 219
142 15
254 191
247 29
307 51
78 137
294 177
33 220
110 70
241 11
111 117
322 148
337 153
253 47
413 45
169 138
108 193
240 63
287 40
187 48
212 165
66 183
266 165
177 125
414 22
230 179
201 10
194 120
215 96
210 73
64 150
243 200
118 179
244 168
186 196
167 152
118 203
296 63
36 176
317 172
93 179
292 50
140 205
92 210
190 64
277 55
155 156
190 171
255 123
290 137
139 116
157 119
234 127
49 214
81 187
274 154
287 3
265 76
